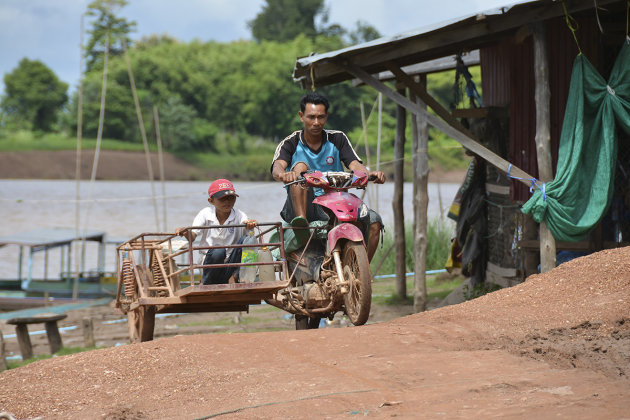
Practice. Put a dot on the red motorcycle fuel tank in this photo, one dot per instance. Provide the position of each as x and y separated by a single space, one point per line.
343 204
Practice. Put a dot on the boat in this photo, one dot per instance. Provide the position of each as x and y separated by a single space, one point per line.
80 283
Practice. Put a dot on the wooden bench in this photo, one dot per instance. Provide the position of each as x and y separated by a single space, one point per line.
52 331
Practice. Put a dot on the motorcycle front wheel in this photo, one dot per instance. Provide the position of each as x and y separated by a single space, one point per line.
356 271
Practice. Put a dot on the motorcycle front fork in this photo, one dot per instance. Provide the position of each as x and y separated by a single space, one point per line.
341 282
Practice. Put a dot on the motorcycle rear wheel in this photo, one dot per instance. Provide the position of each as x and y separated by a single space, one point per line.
356 271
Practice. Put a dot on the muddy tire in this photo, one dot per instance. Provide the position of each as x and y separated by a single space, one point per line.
141 322
356 271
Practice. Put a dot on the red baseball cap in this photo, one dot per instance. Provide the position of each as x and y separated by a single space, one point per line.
221 187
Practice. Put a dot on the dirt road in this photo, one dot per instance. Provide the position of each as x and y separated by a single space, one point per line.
556 346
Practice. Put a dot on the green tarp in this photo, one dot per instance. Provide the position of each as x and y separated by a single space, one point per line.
575 201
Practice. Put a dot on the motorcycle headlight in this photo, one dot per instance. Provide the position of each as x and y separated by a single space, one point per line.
363 210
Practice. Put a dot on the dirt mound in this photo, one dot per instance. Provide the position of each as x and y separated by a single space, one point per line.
557 345
112 165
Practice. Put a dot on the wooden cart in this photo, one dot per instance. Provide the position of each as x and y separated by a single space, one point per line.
158 273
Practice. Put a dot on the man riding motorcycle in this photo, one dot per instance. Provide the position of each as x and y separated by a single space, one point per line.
315 148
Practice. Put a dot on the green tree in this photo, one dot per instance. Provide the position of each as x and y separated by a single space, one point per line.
363 32
106 28
33 96
283 20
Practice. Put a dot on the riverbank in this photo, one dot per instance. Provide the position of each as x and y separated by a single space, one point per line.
128 166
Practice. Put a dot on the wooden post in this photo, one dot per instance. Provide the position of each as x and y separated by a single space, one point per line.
3 360
26 348
397 201
54 338
88 332
543 138
420 130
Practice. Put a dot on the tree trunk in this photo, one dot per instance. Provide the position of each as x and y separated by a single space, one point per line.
543 138
420 130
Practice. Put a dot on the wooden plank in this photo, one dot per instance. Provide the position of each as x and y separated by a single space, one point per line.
471 113
543 138
200 307
459 136
234 288
567 246
421 92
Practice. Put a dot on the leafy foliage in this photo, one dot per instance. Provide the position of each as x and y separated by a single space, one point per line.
34 96
283 20
108 31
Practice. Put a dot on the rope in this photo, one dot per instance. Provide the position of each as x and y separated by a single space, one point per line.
572 24
534 183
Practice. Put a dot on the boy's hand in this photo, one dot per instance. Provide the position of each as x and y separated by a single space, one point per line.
180 231
251 224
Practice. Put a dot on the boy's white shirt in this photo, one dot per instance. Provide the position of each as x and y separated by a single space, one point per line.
220 236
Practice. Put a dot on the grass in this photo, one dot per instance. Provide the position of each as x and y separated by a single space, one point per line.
438 287
63 352
439 234
27 140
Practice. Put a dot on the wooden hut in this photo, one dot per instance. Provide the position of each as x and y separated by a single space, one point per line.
526 54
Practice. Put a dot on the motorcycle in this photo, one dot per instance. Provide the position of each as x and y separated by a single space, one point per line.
331 272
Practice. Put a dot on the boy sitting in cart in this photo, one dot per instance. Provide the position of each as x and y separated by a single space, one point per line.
221 211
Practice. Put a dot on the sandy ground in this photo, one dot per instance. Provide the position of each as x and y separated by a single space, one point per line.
117 165
555 346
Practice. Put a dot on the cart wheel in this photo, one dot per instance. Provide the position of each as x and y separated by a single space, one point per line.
141 322
356 271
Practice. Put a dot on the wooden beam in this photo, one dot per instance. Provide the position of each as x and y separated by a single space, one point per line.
462 138
421 92
543 138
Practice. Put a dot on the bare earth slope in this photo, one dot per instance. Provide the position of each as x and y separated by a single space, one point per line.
119 165
556 346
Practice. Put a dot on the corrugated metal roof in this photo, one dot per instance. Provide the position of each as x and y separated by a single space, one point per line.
432 42
47 237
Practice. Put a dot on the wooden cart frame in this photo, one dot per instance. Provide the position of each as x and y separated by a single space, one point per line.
151 281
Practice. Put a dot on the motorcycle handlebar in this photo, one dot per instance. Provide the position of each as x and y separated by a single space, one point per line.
301 180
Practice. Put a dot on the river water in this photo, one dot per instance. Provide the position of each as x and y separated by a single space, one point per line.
124 209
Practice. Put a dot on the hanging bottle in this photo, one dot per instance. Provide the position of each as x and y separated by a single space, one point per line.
247 273
266 272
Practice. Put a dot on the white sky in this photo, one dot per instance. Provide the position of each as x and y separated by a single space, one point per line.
49 30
